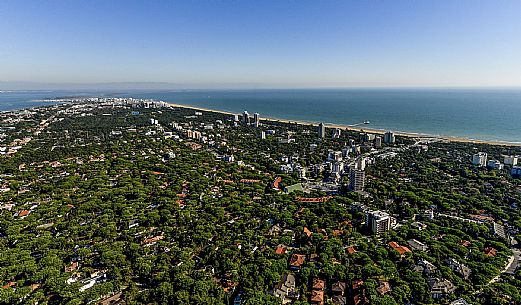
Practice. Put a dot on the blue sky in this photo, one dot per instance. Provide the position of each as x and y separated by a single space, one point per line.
263 43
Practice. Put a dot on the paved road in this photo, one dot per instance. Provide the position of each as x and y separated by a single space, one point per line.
511 268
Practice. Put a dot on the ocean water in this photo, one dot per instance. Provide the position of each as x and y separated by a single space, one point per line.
484 114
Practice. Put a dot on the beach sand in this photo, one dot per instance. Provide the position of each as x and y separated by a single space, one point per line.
359 129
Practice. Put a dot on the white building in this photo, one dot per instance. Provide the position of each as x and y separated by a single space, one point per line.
245 118
379 222
479 159
256 120
417 245
337 133
511 160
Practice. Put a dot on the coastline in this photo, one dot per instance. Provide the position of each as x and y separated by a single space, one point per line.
369 130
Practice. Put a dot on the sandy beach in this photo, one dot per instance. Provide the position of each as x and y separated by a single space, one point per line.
360 129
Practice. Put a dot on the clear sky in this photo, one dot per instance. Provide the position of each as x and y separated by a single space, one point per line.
280 43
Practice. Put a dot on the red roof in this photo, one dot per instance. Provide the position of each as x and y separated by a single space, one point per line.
351 250
24 213
276 182
318 284
400 249
464 243
307 232
280 250
317 296
489 251
297 260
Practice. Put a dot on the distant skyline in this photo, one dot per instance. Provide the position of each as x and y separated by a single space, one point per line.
259 44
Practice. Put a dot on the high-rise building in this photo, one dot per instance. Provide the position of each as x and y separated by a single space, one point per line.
516 172
236 118
263 135
256 120
511 160
356 180
321 130
246 118
378 142
389 137
479 159
379 222
494 164
337 133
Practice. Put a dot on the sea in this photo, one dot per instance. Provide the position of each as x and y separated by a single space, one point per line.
481 114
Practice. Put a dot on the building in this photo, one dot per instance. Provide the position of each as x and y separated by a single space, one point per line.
379 222
389 137
479 159
256 120
459 268
246 118
418 226
426 267
428 214
287 290
378 142
516 172
337 133
511 160
356 180
417 245
440 287
263 135
494 164
321 130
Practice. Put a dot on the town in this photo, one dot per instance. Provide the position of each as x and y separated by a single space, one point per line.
130 201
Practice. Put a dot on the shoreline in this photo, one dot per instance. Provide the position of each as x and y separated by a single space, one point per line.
357 129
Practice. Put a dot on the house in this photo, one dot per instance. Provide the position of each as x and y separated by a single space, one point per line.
440 287
318 284
276 183
400 249
489 251
296 261
424 266
418 226
417 245
286 289
339 300
307 232
23 213
280 250
339 288
317 297
459 268
153 240
383 288
351 250
464 243
72 267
